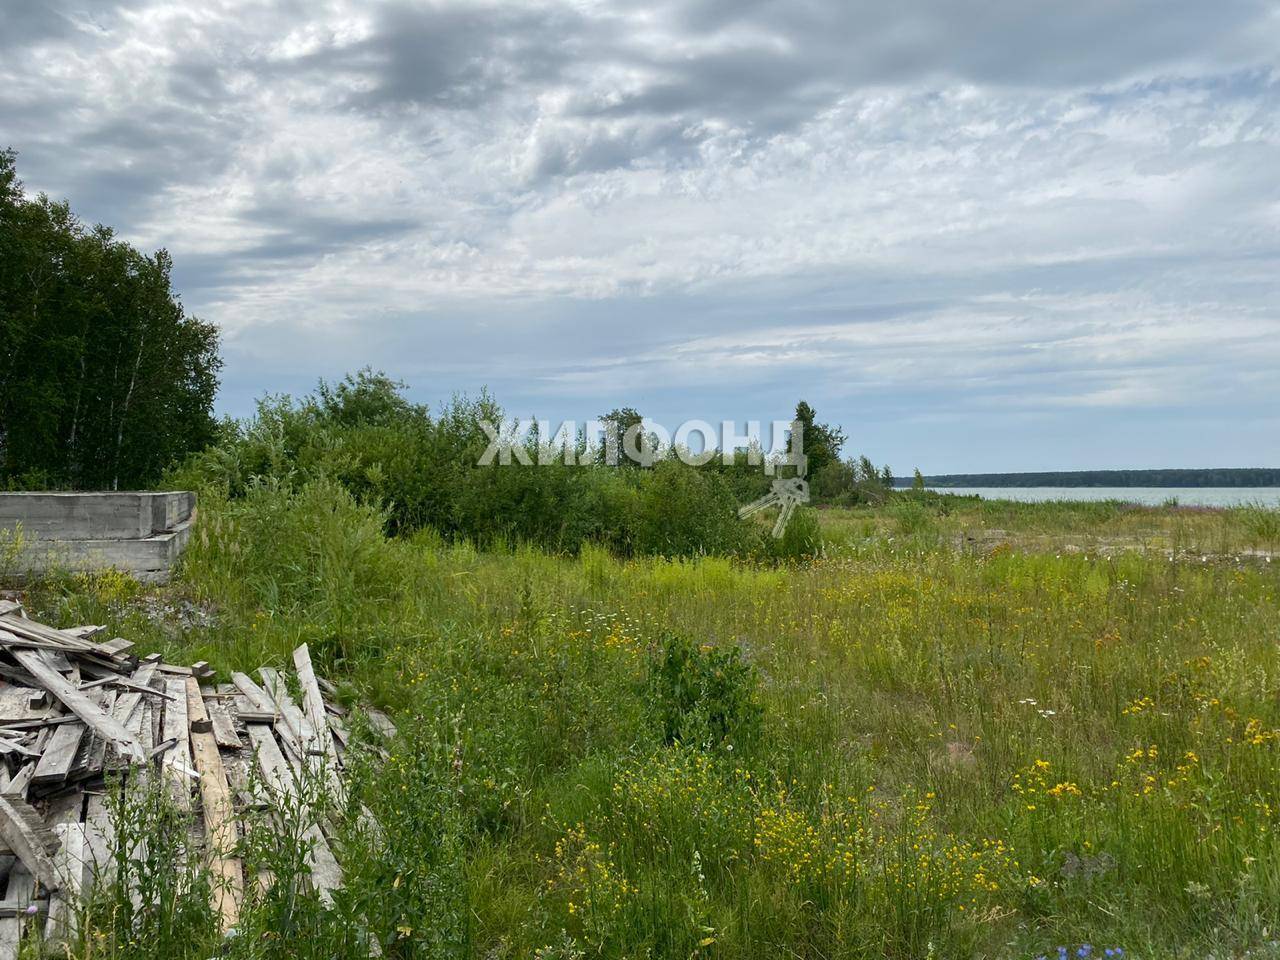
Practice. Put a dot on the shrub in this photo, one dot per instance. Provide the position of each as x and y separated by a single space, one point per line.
801 539
310 554
703 695
684 511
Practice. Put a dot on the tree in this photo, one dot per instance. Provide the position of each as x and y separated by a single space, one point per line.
917 482
822 441
616 423
104 379
886 477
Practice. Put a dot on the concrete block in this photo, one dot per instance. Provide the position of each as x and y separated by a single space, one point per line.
140 533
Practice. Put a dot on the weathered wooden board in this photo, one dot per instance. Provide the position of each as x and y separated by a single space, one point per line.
59 754
80 704
223 729
25 833
326 875
219 815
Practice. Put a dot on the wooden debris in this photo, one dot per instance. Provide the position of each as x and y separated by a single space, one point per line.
326 875
79 704
25 833
176 761
73 709
223 729
59 754
18 893
219 818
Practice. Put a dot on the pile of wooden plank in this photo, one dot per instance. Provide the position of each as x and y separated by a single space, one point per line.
76 712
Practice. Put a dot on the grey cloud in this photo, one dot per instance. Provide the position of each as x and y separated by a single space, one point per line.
572 149
448 55
28 23
297 233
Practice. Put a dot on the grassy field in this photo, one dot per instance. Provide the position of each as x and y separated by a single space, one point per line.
976 730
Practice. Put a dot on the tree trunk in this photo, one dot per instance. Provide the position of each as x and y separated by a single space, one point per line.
124 410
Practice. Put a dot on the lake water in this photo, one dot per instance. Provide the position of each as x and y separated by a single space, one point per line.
1153 496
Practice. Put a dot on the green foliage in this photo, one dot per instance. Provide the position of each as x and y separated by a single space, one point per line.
104 379
703 695
822 441
157 903
801 540
682 511
975 752
849 482
911 517
420 471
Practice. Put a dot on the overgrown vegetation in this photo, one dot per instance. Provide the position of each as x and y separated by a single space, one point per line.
423 471
911 747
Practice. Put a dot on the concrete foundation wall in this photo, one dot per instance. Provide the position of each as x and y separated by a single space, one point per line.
94 516
140 533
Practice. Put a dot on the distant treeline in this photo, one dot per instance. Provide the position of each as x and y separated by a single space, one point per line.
1223 477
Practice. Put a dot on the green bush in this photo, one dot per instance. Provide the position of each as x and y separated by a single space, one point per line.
704 695
801 539
685 511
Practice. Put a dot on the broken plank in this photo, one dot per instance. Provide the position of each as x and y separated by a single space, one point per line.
92 758
128 702
223 729
117 646
326 875
80 704
100 837
25 833
8 745
21 780
31 630
256 696
219 816
59 754
63 816
313 702
176 762
85 632
19 891
312 699
382 723
15 704
70 862
300 728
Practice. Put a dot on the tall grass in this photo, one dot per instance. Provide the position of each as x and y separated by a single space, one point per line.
954 752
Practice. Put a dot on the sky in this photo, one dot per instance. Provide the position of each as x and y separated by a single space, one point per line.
980 236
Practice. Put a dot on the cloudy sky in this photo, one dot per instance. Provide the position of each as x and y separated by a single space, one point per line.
981 235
